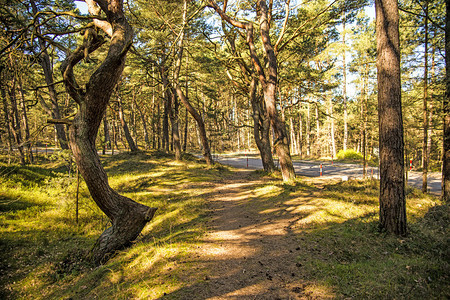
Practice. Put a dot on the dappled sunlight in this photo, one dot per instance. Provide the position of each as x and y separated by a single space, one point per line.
219 235
251 291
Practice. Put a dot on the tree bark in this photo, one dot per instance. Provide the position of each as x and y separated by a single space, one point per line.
446 111
25 124
165 120
144 123
107 142
200 124
392 183
318 142
171 100
425 158
261 129
54 112
126 131
128 218
15 121
269 84
7 121
308 131
344 93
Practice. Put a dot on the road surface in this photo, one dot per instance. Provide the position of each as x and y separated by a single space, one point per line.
331 170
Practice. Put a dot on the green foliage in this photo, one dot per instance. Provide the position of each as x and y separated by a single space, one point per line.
349 154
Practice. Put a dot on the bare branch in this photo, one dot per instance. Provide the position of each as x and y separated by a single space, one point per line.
94 10
69 63
60 121
297 31
283 30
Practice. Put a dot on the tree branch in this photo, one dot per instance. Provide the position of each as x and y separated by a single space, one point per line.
283 30
297 31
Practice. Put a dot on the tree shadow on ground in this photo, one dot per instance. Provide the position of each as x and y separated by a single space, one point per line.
268 251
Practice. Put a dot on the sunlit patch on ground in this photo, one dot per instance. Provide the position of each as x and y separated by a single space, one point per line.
217 235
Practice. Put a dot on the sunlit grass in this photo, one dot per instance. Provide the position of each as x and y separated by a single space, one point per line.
42 249
342 251
341 254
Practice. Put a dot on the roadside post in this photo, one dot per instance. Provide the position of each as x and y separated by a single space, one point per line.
247 158
320 169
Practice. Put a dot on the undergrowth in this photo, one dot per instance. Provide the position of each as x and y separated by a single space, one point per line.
42 249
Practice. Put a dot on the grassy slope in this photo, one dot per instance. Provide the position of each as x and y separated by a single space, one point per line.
41 248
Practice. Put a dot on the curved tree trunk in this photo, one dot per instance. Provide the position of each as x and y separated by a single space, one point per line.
128 218
268 81
200 124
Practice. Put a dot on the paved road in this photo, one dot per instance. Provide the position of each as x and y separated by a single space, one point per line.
332 170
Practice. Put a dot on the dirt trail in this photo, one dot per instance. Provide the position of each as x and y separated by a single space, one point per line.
250 251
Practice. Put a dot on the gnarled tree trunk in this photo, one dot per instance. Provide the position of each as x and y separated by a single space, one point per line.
128 218
268 79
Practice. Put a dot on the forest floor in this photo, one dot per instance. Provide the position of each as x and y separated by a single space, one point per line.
250 250
267 240
219 233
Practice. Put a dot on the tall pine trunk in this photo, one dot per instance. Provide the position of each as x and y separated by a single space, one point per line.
392 183
130 141
261 128
344 92
425 158
446 113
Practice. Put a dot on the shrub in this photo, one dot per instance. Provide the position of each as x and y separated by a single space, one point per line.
349 154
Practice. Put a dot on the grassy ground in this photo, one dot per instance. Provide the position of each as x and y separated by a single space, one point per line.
42 248
340 248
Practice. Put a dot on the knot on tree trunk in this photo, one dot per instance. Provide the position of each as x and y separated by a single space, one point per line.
125 229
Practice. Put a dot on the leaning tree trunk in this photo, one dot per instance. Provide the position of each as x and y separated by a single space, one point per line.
392 181
200 124
128 218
